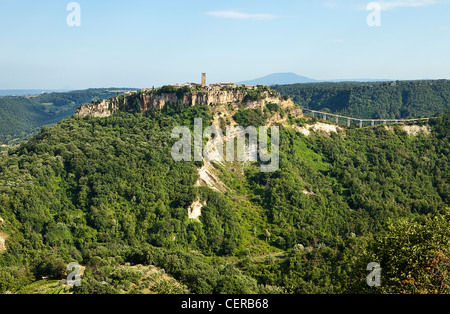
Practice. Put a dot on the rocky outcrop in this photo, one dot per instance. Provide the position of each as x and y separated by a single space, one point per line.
208 98
416 129
318 127
208 178
3 237
150 100
103 108
195 210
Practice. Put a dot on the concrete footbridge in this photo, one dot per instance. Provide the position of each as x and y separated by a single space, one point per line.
359 122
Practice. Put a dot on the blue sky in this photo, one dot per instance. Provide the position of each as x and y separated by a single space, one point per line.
140 43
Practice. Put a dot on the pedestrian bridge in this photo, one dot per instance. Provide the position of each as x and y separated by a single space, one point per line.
359 122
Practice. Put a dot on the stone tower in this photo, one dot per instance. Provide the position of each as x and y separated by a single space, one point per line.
203 79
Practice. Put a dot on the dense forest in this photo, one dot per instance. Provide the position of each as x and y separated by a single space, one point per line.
105 193
21 117
373 100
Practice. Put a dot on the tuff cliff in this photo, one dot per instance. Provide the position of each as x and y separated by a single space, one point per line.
145 100
98 108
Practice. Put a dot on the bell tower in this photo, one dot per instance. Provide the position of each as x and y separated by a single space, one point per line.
203 79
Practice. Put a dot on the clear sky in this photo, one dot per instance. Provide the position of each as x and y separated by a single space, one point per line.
138 43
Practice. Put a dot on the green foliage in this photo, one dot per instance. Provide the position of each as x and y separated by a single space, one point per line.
329 187
413 255
22 116
11 278
253 95
166 89
182 91
373 100
256 117
105 192
249 117
49 266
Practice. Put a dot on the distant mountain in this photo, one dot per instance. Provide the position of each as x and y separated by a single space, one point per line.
292 78
279 79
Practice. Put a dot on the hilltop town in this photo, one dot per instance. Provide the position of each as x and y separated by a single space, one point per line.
190 94
213 86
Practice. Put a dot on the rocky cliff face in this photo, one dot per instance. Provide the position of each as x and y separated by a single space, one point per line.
103 108
207 98
144 101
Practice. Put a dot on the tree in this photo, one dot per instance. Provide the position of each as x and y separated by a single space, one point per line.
414 256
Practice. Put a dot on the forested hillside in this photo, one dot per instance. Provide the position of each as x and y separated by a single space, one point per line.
373 100
23 116
106 192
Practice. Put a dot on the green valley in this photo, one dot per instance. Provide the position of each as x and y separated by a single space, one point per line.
373 100
21 117
104 192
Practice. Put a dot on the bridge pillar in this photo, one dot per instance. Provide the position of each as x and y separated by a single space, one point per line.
337 120
312 114
373 122
348 122
384 122
325 116
360 123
